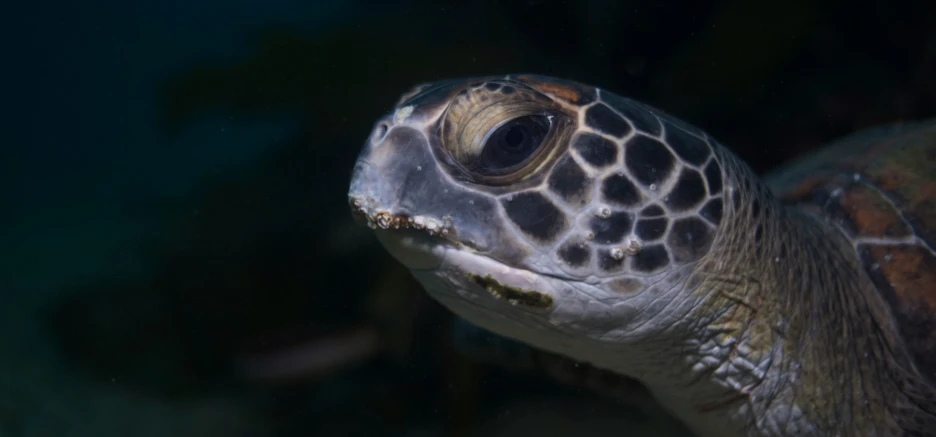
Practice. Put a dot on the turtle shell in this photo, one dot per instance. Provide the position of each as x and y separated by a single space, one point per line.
879 186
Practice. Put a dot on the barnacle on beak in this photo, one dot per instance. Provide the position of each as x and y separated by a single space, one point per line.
419 242
385 220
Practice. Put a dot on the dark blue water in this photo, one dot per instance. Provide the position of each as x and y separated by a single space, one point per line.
172 181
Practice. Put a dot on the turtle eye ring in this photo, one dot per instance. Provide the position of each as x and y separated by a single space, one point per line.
512 144
502 133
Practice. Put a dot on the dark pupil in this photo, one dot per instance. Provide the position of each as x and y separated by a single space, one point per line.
514 137
513 143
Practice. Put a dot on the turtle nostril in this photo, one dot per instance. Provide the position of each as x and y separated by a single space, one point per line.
380 131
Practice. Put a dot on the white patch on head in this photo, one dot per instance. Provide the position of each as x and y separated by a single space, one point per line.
401 114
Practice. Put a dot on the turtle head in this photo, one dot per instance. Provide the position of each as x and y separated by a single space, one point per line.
542 209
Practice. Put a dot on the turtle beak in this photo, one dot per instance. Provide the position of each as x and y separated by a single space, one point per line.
377 194
384 165
415 248
361 177
374 177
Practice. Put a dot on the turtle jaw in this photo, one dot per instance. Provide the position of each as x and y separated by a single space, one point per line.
473 276
511 301
549 313
430 247
414 249
426 244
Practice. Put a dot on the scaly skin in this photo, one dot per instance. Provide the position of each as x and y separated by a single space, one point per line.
631 241
796 304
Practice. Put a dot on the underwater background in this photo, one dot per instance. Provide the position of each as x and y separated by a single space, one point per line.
177 257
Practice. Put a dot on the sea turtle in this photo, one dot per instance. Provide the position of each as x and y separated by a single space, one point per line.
598 228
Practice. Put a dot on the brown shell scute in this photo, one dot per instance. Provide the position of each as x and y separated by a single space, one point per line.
880 188
908 175
898 161
872 214
907 278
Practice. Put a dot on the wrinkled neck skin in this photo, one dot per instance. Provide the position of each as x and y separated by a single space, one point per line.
795 331
776 331
792 333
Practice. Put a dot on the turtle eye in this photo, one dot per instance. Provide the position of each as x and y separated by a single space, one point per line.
502 132
512 143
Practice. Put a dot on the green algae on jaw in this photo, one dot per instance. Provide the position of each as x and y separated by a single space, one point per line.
515 295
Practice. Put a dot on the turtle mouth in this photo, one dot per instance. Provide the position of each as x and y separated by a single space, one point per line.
418 242
476 273
423 243
416 250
